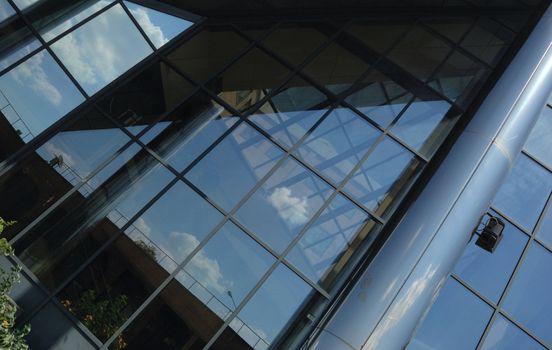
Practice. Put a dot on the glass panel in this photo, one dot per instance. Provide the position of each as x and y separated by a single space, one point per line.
102 49
62 162
158 26
453 28
336 68
147 97
488 40
170 229
545 229
419 52
277 306
295 41
207 52
456 320
504 335
528 300
338 144
488 273
51 26
289 114
284 204
23 43
229 265
189 131
379 98
40 93
22 4
5 10
62 241
425 124
384 177
525 191
248 80
378 36
539 143
327 246
234 166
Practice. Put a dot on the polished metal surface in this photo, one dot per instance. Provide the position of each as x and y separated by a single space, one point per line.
390 298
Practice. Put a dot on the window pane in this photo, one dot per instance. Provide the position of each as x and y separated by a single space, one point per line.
158 26
277 306
456 320
102 49
504 335
384 177
63 240
39 93
425 124
540 142
145 98
378 36
525 191
234 166
289 114
545 230
488 272
170 229
338 143
488 40
64 161
529 301
229 265
284 204
327 246
51 26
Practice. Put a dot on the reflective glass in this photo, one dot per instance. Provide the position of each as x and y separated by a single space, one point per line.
336 68
170 229
376 35
39 92
539 143
289 114
504 335
51 26
158 26
70 234
384 177
453 28
288 199
489 273
488 40
102 49
419 52
425 124
456 320
22 4
525 191
277 306
248 80
18 51
5 10
229 265
545 229
529 301
57 166
379 98
147 97
338 143
234 166
295 42
329 243
207 52
189 131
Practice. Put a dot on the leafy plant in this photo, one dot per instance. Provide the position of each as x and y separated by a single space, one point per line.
11 338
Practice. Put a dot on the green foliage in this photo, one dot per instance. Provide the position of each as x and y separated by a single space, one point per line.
11 338
102 317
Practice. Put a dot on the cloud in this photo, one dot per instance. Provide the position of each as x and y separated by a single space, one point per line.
32 74
204 269
56 151
155 33
293 210
142 226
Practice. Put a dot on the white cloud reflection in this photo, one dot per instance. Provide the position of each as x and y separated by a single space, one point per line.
291 209
154 32
31 74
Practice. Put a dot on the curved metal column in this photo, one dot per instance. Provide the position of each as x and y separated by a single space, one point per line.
388 301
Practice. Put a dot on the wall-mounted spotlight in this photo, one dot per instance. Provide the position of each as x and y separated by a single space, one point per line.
491 235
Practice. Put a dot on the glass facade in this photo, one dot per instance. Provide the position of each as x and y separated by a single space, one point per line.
189 183
510 286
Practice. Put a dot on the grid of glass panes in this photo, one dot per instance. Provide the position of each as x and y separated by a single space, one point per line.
238 178
56 54
502 300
